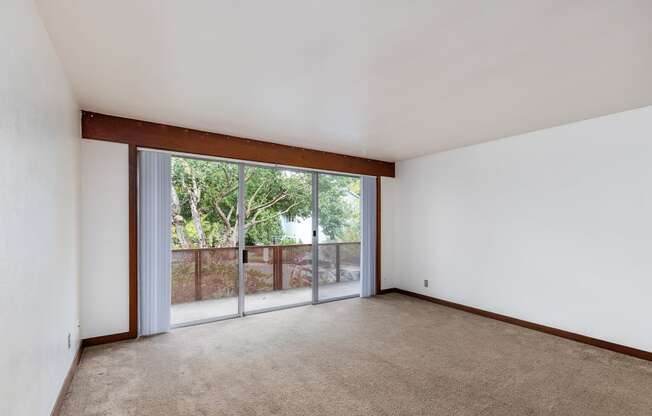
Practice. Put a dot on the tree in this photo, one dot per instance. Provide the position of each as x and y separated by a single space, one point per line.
190 183
270 194
205 196
178 221
339 207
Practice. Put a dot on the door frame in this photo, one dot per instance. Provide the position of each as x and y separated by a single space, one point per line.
315 233
241 239
132 333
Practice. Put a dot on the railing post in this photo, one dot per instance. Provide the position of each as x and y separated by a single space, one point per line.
278 267
197 274
337 262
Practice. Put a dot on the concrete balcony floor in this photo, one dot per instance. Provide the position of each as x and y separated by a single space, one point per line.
183 313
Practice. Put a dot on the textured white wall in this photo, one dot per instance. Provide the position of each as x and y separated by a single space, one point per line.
554 227
105 238
39 208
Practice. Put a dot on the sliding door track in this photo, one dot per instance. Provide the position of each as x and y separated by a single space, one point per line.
259 311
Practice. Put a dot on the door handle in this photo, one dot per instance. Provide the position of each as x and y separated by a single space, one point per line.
245 256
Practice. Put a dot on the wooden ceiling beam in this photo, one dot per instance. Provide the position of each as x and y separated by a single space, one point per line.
178 139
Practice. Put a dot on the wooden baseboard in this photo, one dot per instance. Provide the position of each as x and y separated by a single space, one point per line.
88 342
56 410
105 339
645 355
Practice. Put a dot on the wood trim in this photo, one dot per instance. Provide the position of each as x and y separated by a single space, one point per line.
164 137
378 237
56 409
634 352
133 253
277 255
133 259
133 241
105 339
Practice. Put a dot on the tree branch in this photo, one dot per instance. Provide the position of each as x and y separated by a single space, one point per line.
271 217
270 203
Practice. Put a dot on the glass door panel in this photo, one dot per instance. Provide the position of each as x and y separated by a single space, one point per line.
204 238
276 232
339 236
278 238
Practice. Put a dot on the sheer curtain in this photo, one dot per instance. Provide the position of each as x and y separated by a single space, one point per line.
154 242
368 249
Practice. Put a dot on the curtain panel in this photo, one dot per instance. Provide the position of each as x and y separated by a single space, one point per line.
154 242
368 249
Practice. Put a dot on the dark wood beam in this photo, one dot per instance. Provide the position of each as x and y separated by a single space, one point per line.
163 137
378 238
133 241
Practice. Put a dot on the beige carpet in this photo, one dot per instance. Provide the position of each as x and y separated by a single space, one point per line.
389 355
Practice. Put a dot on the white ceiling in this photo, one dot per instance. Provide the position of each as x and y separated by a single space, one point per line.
374 78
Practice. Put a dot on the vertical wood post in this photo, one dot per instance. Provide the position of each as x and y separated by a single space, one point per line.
378 239
278 267
337 262
198 274
133 241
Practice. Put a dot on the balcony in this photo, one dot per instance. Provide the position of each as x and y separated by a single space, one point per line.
205 281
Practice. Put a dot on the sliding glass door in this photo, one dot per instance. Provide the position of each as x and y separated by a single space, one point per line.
339 236
248 238
204 274
278 238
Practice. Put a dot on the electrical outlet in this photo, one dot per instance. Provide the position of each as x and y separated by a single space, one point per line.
425 283
69 345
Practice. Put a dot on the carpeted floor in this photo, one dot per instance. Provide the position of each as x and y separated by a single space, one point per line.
388 355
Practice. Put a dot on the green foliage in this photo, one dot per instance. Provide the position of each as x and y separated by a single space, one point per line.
212 187
339 207
271 193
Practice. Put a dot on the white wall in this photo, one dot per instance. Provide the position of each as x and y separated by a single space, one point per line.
387 270
554 227
105 238
39 208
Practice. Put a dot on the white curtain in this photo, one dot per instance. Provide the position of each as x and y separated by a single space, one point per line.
368 249
154 242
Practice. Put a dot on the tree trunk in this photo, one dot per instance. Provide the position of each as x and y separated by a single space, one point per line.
196 216
178 221
232 237
194 195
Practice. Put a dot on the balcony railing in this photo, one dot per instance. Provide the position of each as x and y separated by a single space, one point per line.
212 273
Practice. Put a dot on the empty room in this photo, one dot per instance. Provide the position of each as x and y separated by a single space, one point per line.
365 207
